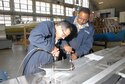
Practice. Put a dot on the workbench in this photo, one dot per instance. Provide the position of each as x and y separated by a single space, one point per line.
21 30
94 68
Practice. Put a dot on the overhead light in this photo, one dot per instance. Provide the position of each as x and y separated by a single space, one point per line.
101 2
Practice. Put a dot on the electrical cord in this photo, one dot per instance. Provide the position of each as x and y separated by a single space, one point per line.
24 59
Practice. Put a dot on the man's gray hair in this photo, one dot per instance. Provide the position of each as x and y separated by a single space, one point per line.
65 25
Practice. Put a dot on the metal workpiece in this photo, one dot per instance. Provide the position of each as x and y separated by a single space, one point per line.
63 65
94 68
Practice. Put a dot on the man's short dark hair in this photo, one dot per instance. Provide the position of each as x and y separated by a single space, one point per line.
85 10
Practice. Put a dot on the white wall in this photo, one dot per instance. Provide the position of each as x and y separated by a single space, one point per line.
111 11
122 17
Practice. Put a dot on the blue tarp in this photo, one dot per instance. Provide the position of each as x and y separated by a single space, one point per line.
3 76
110 36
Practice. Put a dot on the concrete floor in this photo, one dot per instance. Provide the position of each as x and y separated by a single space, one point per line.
11 58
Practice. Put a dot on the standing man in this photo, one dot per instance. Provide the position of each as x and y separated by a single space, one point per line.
81 39
44 36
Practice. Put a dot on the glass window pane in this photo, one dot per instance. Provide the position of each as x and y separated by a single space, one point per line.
17 6
42 4
17 9
30 11
69 1
42 19
38 20
1 18
29 7
47 9
1 8
54 6
43 8
8 24
58 6
17 1
69 11
58 10
30 18
85 3
29 2
78 2
54 10
5 19
1 3
47 5
6 8
37 3
23 6
6 0
26 6
23 10
37 11
6 4
27 19
37 8
1 22
23 1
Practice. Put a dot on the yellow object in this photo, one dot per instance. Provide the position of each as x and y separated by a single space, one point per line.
23 29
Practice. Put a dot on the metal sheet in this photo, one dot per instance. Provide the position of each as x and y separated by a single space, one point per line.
87 71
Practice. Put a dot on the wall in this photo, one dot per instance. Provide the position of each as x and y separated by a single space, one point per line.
111 12
122 17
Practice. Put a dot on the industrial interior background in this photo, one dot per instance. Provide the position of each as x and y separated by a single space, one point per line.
19 17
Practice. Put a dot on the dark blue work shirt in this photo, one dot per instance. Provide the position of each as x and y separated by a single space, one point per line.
81 41
43 37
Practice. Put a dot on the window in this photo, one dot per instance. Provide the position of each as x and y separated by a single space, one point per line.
57 19
78 2
85 3
23 5
69 1
69 11
5 19
42 7
4 5
39 19
27 19
58 9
